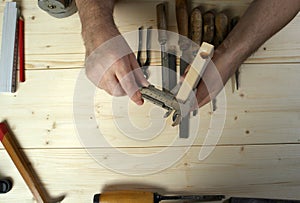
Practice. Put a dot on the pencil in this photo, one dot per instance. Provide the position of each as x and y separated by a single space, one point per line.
21 50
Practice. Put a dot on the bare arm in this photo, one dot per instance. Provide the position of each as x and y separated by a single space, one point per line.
124 75
261 21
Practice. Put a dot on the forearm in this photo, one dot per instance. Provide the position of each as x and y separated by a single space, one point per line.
96 16
262 20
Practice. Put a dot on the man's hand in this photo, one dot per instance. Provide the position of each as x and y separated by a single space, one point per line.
110 63
261 21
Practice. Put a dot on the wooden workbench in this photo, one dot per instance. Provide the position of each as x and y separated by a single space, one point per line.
258 154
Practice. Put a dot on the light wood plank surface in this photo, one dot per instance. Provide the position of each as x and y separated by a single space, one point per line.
60 39
239 170
254 115
258 152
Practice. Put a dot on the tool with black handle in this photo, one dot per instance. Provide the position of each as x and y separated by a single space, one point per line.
148 197
162 27
184 45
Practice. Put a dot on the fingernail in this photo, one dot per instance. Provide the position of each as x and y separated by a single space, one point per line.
140 102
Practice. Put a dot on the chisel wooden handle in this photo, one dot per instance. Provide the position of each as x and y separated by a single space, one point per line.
124 197
221 27
196 26
182 23
208 27
148 197
22 164
162 24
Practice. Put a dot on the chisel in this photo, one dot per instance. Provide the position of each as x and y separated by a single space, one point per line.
221 28
208 27
196 29
184 45
148 197
183 30
196 34
208 36
162 27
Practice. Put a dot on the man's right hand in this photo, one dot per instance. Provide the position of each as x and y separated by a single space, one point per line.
110 63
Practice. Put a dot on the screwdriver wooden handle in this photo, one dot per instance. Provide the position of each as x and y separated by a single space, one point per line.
208 27
22 164
196 26
182 23
162 24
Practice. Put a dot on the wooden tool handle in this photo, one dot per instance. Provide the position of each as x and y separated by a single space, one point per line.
124 197
221 26
182 22
162 24
196 26
22 164
208 27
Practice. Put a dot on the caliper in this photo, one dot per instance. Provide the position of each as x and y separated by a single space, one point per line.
180 102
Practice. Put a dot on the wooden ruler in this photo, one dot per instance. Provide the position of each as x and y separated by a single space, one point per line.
9 48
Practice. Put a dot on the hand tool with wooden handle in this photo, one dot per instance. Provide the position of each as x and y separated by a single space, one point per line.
196 34
149 197
208 27
208 36
196 29
23 165
162 27
221 28
183 30
184 44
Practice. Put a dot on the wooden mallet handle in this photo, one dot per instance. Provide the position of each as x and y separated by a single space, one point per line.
22 164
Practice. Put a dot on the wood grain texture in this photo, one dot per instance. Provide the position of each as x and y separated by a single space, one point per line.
257 155
231 170
254 115
60 39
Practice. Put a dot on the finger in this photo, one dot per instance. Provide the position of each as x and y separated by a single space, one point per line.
111 85
138 73
127 80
